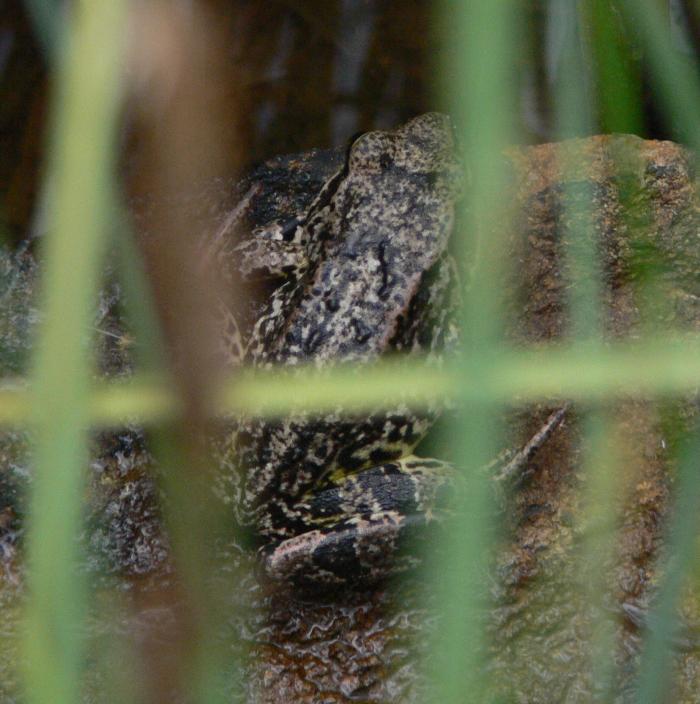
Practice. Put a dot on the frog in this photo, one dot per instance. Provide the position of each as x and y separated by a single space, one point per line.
366 272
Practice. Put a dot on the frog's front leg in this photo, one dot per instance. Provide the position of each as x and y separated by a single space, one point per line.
269 253
358 525
275 251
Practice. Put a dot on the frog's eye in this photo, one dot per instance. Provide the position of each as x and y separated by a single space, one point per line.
386 160
373 151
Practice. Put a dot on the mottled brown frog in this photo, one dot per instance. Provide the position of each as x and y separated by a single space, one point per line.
367 274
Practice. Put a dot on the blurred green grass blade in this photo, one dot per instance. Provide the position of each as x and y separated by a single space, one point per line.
680 557
581 262
575 116
483 99
599 547
47 16
675 76
617 81
573 89
140 306
196 523
639 369
79 178
460 578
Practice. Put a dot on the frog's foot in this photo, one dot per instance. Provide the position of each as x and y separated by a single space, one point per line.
359 525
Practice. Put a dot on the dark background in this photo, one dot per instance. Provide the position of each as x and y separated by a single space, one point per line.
310 73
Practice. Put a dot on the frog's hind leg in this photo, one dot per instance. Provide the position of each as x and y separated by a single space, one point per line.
359 525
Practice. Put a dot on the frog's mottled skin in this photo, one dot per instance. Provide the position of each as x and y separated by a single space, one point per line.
371 275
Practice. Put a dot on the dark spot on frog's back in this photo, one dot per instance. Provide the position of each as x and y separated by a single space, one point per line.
348 460
330 300
398 300
362 331
289 229
411 436
397 430
382 455
384 289
431 464
313 340
302 340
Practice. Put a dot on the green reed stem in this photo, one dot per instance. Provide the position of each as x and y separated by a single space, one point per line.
81 164
679 560
675 78
674 75
617 81
666 367
47 17
575 116
482 89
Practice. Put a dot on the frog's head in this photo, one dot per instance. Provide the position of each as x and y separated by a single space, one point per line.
424 145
